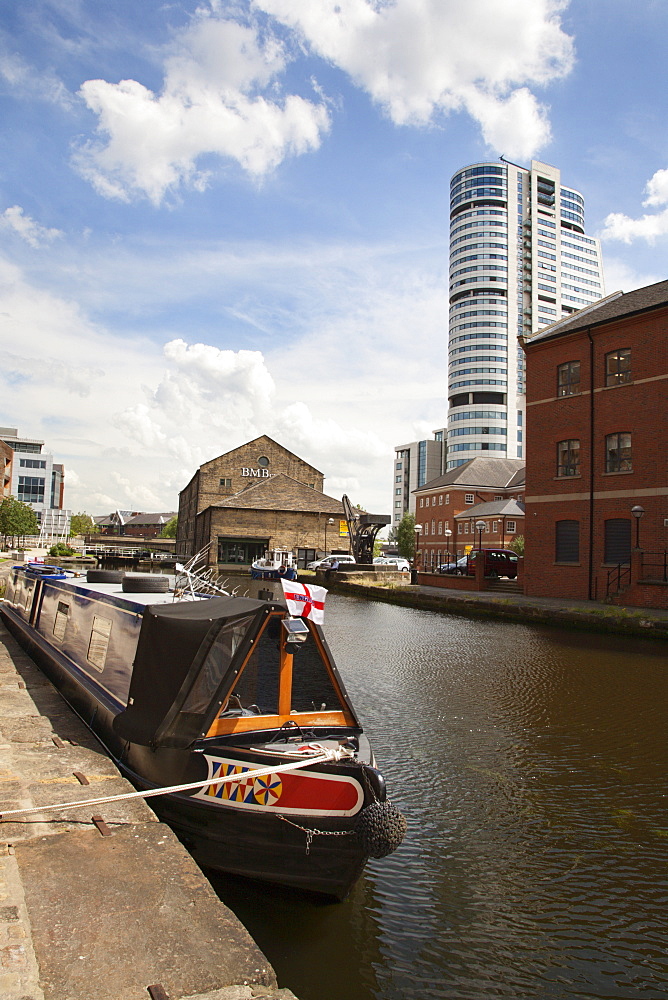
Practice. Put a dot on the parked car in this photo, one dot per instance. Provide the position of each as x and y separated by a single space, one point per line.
498 562
396 562
450 567
327 561
461 566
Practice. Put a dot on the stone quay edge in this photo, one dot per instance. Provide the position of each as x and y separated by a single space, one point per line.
85 915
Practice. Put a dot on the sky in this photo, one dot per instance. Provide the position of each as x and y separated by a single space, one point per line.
230 218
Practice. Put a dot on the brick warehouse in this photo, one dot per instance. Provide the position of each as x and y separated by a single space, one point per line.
596 426
256 497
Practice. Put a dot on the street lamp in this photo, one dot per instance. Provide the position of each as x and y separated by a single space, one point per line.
418 532
329 521
637 512
448 535
480 527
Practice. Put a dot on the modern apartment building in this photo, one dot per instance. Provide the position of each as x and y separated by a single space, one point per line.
414 465
36 479
519 260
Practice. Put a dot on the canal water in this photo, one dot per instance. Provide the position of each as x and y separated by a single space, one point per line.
531 765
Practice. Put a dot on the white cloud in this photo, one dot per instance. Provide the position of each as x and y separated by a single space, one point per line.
134 419
25 227
211 103
620 275
419 58
650 226
26 81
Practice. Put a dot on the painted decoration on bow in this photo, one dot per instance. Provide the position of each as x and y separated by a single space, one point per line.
304 600
305 792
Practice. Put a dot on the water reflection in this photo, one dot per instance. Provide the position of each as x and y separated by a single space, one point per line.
531 765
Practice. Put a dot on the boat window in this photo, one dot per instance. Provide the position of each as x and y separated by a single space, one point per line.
256 689
99 642
312 687
60 621
215 665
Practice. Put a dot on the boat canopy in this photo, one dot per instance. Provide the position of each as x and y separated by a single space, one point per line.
185 654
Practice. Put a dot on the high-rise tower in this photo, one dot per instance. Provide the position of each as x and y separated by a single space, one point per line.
519 260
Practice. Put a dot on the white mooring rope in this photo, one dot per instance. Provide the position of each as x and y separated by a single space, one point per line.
326 755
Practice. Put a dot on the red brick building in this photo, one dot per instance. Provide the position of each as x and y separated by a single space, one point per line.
596 435
452 503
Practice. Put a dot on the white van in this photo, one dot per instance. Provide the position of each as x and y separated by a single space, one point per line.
394 562
327 561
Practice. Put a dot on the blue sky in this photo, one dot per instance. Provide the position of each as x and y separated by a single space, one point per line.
223 219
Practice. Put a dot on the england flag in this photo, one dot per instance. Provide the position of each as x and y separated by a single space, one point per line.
305 601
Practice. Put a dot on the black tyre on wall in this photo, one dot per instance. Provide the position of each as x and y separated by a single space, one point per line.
144 583
104 575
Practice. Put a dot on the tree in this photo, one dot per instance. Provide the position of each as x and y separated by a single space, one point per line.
17 520
516 544
406 536
169 531
83 524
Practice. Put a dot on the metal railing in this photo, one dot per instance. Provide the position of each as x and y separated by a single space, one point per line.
619 576
654 566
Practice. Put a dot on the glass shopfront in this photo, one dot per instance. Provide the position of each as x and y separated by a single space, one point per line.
241 551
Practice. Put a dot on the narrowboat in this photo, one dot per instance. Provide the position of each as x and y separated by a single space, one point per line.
183 687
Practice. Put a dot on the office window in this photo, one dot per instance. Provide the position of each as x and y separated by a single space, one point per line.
469 498
440 498
440 527
618 453
568 378
618 366
495 526
511 527
567 542
447 498
30 489
568 458
422 501
227 483
433 527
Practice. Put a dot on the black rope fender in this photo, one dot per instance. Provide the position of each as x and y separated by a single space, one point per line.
379 827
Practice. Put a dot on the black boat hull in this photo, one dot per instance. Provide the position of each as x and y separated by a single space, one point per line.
306 851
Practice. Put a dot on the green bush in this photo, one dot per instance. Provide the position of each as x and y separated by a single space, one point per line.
61 549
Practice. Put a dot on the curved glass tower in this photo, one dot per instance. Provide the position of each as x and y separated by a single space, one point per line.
519 260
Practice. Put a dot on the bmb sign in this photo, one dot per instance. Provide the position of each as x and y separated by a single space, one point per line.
256 473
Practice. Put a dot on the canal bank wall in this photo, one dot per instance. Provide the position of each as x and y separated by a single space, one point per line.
100 902
591 616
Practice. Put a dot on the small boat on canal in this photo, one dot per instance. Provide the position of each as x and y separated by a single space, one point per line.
185 684
270 565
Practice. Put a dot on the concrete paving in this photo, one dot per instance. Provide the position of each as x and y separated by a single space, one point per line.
86 915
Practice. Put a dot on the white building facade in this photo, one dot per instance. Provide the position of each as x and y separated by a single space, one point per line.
37 480
519 260
415 464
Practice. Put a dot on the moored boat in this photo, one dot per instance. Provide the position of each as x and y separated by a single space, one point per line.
231 693
270 566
